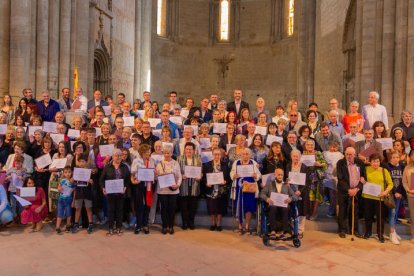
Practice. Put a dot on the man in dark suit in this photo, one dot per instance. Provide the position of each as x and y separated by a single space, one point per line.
292 143
97 100
238 104
368 144
350 172
206 114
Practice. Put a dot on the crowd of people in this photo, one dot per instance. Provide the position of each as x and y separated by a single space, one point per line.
111 162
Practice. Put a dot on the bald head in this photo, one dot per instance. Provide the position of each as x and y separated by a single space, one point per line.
350 154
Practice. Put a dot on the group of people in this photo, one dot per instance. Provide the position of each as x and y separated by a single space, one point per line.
107 160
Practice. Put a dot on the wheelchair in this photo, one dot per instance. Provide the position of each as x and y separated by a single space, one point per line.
264 225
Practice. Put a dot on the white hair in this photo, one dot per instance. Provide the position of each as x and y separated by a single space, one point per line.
377 96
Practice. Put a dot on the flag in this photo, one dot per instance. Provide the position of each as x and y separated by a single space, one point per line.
75 79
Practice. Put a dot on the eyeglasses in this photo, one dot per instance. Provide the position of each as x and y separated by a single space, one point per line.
293 115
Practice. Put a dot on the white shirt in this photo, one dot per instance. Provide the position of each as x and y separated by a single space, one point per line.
277 118
375 113
84 103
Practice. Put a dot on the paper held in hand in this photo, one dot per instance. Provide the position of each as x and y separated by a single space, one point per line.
220 128
206 156
261 130
166 180
245 170
43 161
106 150
205 143
154 122
279 199
3 129
372 189
23 202
215 178
178 120
80 174
59 163
73 133
386 143
308 160
145 174
26 192
107 110
115 186
128 121
32 129
50 127
297 178
273 138
57 138
192 172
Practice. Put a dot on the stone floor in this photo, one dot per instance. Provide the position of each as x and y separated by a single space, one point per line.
195 252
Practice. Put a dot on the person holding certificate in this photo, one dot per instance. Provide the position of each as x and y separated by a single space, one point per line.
36 142
142 191
374 204
167 191
216 193
244 190
235 153
37 211
408 183
116 170
228 137
190 185
274 159
103 139
259 150
19 149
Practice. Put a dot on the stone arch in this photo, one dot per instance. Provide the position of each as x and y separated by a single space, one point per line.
102 76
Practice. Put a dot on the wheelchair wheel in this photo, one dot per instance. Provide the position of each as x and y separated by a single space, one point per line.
266 240
296 243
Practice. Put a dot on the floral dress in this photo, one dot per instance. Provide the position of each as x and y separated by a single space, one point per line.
316 174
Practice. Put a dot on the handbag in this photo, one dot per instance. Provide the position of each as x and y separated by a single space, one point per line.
389 198
249 187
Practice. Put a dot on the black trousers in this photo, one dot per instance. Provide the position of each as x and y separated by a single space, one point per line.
140 203
188 206
168 206
373 208
277 215
304 204
345 212
115 210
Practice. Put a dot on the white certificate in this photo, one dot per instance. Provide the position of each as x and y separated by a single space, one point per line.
157 132
279 199
166 144
141 113
43 161
215 178
206 156
386 143
273 138
372 189
145 174
166 180
192 172
80 174
115 186
3 129
57 138
128 121
59 163
154 122
71 144
267 178
205 143
23 202
245 170
107 110
195 129
220 128
308 160
184 113
73 133
50 127
178 120
32 129
28 192
297 178
229 146
261 130
106 150
98 131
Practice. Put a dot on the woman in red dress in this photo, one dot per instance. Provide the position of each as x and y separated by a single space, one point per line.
36 212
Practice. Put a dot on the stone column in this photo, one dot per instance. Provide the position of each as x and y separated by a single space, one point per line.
42 45
53 66
137 50
64 44
300 30
4 46
409 98
92 38
20 45
310 70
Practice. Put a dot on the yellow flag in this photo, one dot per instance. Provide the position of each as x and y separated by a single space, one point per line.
75 79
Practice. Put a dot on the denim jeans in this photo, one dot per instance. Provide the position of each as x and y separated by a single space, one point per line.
6 216
393 213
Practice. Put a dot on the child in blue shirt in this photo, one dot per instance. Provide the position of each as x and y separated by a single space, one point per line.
65 201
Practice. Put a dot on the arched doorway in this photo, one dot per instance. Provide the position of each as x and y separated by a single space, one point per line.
102 77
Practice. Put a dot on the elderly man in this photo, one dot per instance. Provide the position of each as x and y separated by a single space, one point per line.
292 144
147 137
326 136
373 111
65 101
350 172
48 107
188 134
260 108
165 121
80 103
406 124
97 100
334 124
365 148
334 105
238 104
206 114
294 123
353 137
60 119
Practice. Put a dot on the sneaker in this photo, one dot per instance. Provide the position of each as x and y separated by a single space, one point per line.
394 239
398 236
104 220
75 228
330 215
137 230
89 229
125 225
120 232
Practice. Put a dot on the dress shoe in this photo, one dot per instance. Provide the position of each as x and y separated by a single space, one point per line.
213 228
358 235
367 235
342 235
219 228
164 231
172 231
381 239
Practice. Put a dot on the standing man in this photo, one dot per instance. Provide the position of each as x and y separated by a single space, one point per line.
213 102
165 121
80 102
238 104
406 124
65 101
97 100
48 107
373 111
294 123
28 94
334 105
350 172
173 101
147 98
334 124
206 114
120 99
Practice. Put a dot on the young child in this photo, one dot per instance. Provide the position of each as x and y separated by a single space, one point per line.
65 188
83 195
15 175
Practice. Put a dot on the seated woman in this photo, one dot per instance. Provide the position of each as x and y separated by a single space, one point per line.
6 214
277 213
37 211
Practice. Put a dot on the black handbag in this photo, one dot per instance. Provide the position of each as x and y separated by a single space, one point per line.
389 198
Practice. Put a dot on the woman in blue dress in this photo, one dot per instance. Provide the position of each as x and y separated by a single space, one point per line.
244 189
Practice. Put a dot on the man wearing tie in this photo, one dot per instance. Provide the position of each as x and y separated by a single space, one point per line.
238 104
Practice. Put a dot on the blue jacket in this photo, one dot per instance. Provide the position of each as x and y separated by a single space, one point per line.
174 129
48 113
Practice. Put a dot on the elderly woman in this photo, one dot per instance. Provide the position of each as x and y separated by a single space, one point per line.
374 205
168 195
77 122
37 211
353 117
142 191
190 186
19 149
235 153
259 150
244 189
408 184
222 107
6 214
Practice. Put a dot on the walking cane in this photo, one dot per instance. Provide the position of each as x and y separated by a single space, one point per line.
353 218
